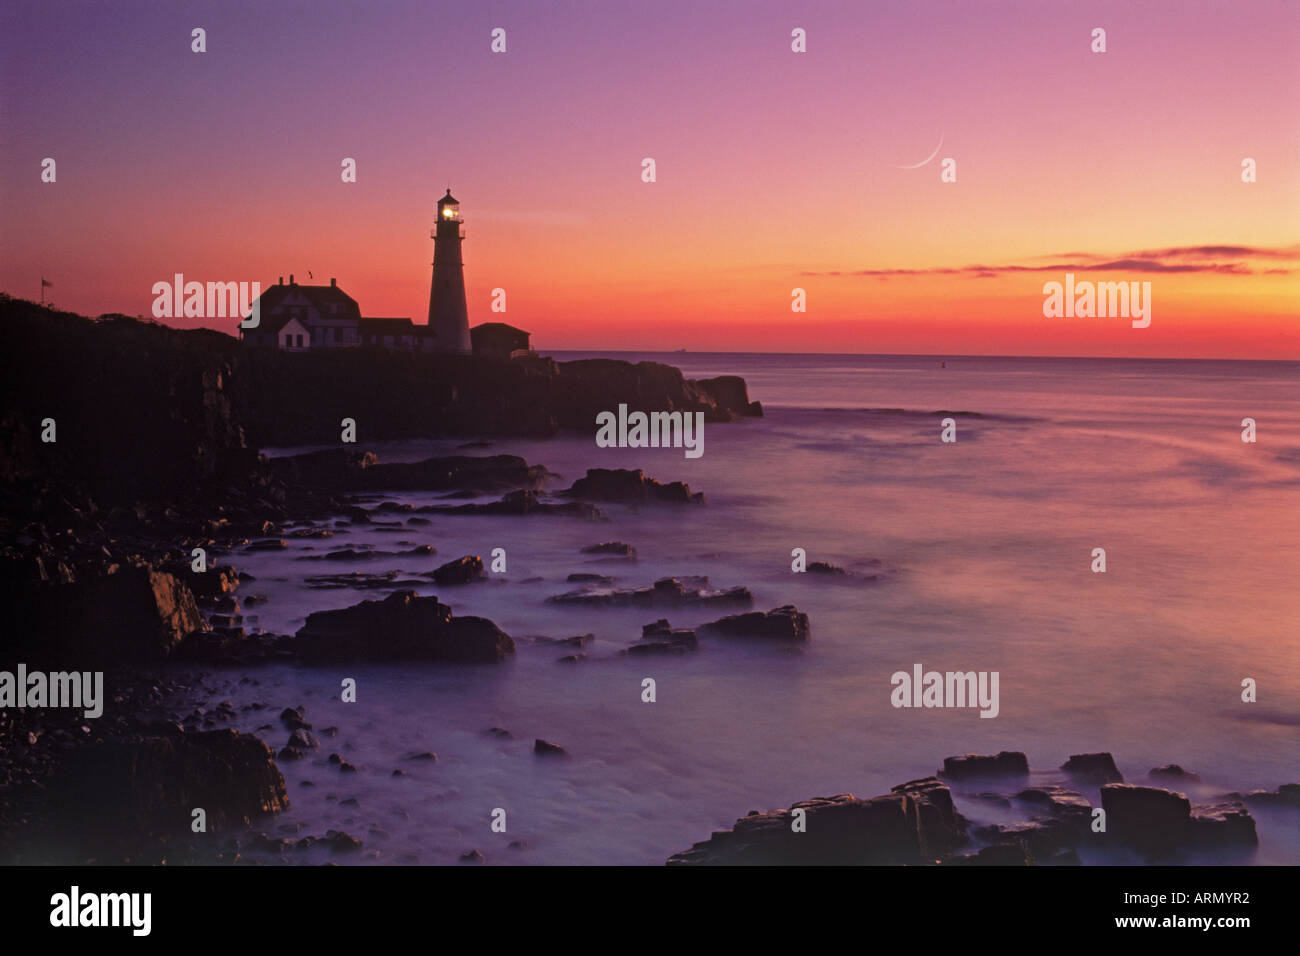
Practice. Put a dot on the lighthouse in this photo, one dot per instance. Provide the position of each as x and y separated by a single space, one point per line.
448 317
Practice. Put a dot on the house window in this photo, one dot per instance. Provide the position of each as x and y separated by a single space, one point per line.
288 340
338 336
297 341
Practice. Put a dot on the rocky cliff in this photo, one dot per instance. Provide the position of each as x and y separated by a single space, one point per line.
144 411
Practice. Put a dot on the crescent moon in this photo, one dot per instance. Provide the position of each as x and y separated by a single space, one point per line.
928 158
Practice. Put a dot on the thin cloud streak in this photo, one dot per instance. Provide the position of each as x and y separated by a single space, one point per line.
1176 259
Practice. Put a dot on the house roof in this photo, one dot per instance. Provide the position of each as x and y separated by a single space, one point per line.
321 296
497 328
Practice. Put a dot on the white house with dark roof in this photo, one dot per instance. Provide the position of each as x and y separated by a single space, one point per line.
322 316
295 317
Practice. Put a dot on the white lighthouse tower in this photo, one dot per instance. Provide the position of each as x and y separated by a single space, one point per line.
448 316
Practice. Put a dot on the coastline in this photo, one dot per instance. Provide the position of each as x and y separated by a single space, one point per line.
226 497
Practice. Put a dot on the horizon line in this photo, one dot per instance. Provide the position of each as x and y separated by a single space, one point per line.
941 356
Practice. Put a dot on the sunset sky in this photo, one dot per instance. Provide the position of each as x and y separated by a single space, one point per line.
775 170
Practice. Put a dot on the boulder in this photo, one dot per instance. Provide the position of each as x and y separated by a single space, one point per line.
615 548
730 394
931 813
1173 773
461 571
292 717
665 593
1008 763
631 486
786 623
1149 819
661 638
544 748
1093 768
403 626
302 740
603 580
1223 825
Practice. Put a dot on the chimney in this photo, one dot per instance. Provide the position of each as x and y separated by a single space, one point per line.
281 280
333 282
290 278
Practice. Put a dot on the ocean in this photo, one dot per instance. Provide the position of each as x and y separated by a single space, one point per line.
970 555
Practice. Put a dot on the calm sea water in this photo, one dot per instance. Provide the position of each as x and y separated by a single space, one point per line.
984 548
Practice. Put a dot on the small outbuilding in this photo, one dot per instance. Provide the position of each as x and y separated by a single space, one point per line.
498 340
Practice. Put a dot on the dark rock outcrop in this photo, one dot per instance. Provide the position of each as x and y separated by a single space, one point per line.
1008 763
133 615
144 412
302 740
1093 768
1172 772
613 548
914 824
730 392
666 593
602 580
1149 819
662 638
154 783
1222 825
631 486
461 571
544 748
292 717
1051 840
785 623
403 626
